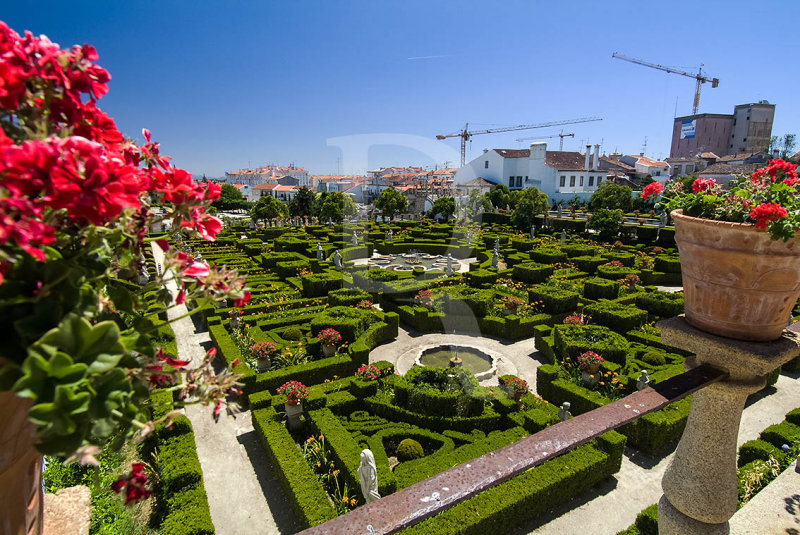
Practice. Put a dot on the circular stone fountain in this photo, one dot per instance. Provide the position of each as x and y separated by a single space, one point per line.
478 362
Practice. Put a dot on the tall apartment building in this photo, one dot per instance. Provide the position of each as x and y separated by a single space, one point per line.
747 130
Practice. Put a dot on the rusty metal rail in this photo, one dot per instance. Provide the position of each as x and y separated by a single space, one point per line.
446 489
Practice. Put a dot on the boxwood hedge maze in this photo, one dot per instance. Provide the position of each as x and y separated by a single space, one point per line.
586 308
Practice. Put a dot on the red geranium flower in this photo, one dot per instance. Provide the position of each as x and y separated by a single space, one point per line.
654 188
134 484
766 212
703 184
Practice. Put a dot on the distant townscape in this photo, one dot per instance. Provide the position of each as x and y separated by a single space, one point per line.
709 145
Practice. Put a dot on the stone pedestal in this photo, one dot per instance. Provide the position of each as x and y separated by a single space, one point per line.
700 493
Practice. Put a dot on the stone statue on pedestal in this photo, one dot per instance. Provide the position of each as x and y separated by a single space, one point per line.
563 412
449 269
563 239
368 476
662 220
533 231
337 260
355 239
320 254
643 381
389 236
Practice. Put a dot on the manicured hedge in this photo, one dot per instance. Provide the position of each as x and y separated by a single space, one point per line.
548 255
599 288
502 508
661 304
573 340
589 264
554 300
617 317
321 284
300 485
532 272
667 264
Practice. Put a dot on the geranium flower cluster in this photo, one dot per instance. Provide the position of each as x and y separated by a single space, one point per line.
368 372
573 320
516 385
329 336
295 391
589 359
76 202
768 198
134 484
263 349
64 166
424 298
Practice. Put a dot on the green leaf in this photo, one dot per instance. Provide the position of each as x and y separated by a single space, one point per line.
34 382
65 369
122 298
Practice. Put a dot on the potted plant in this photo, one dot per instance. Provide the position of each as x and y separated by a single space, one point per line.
424 298
78 358
295 393
590 362
740 257
329 338
263 352
368 372
512 304
235 315
515 387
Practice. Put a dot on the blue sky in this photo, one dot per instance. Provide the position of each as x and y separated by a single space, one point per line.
224 85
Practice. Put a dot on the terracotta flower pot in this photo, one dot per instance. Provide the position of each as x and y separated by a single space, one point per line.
737 282
21 502
592 369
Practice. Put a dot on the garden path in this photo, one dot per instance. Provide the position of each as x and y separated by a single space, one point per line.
243 493
612 506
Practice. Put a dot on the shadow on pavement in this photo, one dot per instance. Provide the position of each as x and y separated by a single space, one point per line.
270 486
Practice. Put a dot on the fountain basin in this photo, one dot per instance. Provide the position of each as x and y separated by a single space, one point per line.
482 364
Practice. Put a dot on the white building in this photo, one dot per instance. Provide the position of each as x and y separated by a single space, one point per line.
562 175
658 170
267 174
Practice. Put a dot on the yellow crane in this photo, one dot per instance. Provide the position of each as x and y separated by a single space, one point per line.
699 77
465 134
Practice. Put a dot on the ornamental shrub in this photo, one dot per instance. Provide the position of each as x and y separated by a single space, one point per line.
600 288
554 300
292 333
532 272
616 316
409 449
653 357
661 304
573 340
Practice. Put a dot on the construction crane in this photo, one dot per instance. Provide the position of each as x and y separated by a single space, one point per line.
560 144
700 77
465 134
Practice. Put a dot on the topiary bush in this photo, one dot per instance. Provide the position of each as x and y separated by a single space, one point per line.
292 333
616 316
409 449
654 358
554 300
573 340
600 288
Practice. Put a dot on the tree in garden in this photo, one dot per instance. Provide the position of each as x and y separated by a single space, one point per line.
390 201
230 198
531 203
338 206
302 204
612 196
785 145
500 196
268 208
316 206
444 207
80 350
606 222
477 202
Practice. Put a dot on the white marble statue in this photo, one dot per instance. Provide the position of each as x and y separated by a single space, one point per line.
337 260
368 476
563 412
389 236
320 253
563 239
643 381
533 231
448 271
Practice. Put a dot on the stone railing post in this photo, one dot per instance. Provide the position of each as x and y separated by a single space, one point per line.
700 492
